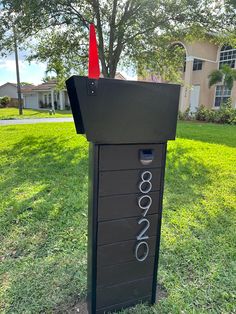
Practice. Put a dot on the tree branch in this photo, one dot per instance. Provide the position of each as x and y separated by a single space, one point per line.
84 21
95 4
112 34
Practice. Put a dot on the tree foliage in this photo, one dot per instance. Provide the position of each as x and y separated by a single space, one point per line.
136 31
25 84
225 75
4 101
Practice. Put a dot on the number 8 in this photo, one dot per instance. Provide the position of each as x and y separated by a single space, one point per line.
147 181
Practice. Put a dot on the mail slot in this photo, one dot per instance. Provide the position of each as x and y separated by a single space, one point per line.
127 124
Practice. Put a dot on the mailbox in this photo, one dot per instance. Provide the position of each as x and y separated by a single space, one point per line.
127 124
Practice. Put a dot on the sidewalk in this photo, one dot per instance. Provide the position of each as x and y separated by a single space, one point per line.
33 121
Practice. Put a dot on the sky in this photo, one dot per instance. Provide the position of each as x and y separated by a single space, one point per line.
31 73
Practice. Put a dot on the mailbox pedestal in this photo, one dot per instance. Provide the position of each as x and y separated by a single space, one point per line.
128 125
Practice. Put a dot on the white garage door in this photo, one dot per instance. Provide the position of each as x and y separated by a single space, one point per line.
31 102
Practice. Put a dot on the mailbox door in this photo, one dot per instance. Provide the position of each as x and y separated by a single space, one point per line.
125 206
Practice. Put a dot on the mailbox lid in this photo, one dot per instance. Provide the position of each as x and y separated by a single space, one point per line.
113 111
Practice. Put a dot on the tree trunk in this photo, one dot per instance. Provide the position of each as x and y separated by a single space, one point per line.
20 105
222 95
110 61
112 69
95 5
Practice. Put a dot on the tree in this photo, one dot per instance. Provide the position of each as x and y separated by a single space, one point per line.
20 105
225 75
226 33
25 84
127 30
4 101
48 78
56 66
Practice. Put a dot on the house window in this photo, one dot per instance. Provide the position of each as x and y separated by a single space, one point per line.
219 99
45 99
227 56
197 64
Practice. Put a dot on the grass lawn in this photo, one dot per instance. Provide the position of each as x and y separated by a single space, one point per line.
13 113
43 220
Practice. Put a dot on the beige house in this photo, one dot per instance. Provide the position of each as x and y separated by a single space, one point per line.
202 58
45 95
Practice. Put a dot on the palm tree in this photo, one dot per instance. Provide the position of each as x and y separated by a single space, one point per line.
225 75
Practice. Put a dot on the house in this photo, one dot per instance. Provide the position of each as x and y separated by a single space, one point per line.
36 97
202 57
10 89
44 95
119 76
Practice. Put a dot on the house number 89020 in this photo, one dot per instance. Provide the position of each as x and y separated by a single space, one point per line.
144 203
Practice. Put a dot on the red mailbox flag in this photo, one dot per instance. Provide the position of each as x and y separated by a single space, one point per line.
93 70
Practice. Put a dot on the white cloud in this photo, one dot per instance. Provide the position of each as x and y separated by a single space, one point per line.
32 72
10 65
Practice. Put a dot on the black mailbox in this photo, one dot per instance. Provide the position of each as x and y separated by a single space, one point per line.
128 124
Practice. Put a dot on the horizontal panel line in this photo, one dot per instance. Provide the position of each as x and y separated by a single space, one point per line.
99 266
131 169
115 170
126 217
134 144
153 214
103 285
125 283
129 262
153 235
107 195
107 244
124 303
137 194
131 217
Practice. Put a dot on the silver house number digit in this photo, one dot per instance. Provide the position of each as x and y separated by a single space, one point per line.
142 246
144 203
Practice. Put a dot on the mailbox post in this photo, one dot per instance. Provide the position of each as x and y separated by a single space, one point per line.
127 124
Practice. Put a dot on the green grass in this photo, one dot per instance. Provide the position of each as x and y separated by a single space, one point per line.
13 113
43 220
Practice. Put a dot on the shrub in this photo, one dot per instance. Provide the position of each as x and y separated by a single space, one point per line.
225 114
181 115
201 113
205 114
4 101
186 115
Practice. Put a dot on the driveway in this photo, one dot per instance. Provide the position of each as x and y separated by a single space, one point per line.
32 121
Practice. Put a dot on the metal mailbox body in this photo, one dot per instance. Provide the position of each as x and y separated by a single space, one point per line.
128 124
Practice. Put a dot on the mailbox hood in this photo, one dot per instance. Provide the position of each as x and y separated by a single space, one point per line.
113 111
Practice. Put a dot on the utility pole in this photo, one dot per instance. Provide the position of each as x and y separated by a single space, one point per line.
17 74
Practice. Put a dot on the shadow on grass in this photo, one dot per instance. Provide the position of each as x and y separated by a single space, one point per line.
186 177
43 225
196 259
197 246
